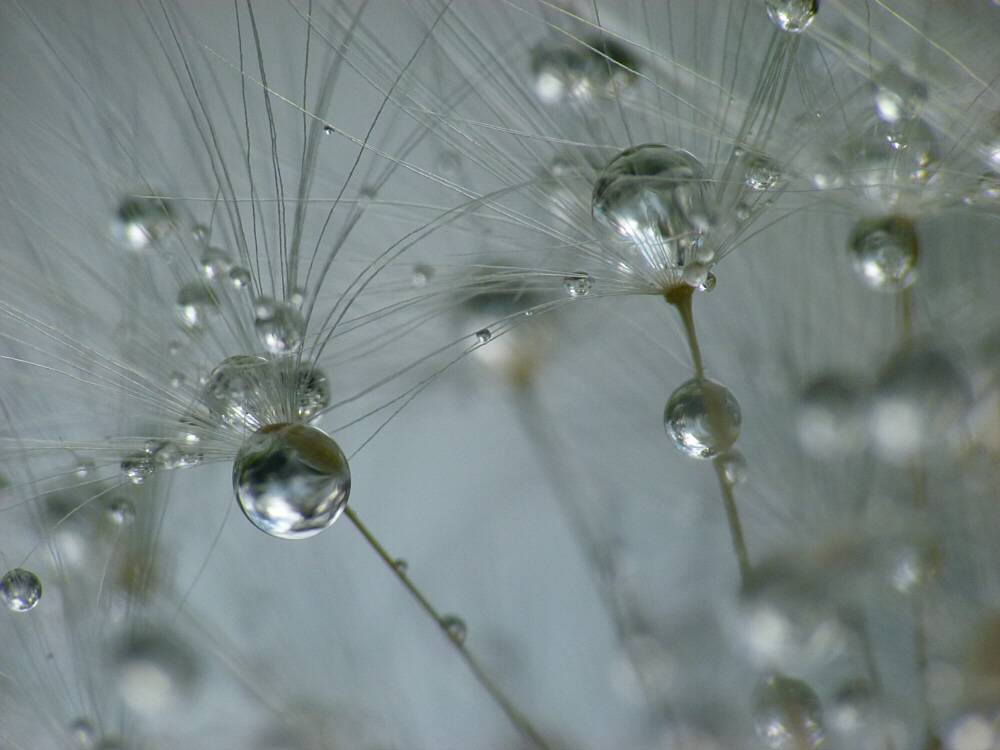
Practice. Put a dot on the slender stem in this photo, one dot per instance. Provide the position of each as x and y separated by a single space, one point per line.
515 716
906 314
680 298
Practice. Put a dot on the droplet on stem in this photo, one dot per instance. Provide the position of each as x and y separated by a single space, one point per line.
702 418
20 590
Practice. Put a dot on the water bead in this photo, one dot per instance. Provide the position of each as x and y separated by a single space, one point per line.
280 327
787 714
121 512
422 274
695 274
708 284
142 220
889 162
329 129
793 16
884 252
455 627
154 673
236 393
196 305
291 480
311 391
580 73
898 95
138 466
702 418
83 734
239 277
761 173
215 263
20 590
661 199
401 566
578 284
920 401
734 466
483 336
831 416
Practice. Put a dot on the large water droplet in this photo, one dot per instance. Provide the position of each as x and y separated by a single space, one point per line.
580 73
141 221
702 418
792 16
661 200
20 590
291 480
280 327
787 714
884 252
892 161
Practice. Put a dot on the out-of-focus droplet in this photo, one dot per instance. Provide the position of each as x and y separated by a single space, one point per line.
787 714
291 480
154 673
20 590
121 512
734 466
831 416
898 95
581 73
215 263
240 277
196 305
702 418
141 221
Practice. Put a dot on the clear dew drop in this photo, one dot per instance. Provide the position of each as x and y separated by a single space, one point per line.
235 391
138 466
328 129
761 173
239 277
695 274
455 627
787 714
793 16
898 95
154 673
581 73
201 233
215 263
142 221
702 418
312 391
196 305
734 467
401 566
890 162
578 284
280 326
121 512
884 253
422 274
291 480
483 336
831 416
661 200
20 590
920 403
708 284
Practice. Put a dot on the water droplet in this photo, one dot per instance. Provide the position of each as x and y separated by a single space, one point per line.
455 627
166 454
578 284
793 16
787 714
884 252
236 393
20 590
831 416
312 392
401 565
898 95
138 466
449 163
734 466
83 734
920 401
421 275
855 707
581 72
280 327
328 129
154 673
702 418
121 512
201 233
708 284
661 200
141 221
891 161
483 336
83 468
240 277
215 263
291 480
695 274
761 173
177 380
196 304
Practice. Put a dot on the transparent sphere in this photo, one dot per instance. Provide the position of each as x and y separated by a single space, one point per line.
884 252
831 416
792 16
280 327
154 673
578 284
660 199
761 173
311 389
215 263
141 221
702 418
581 73
787 714
20 590
291 480
920 402
236 393
892 163
196 305
898 95
138 466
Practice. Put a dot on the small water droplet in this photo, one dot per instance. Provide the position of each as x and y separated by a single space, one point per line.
201 233
328 129
761 173
235 392
215 263
421 275
734 467
240 277
787 714
138 466
578 284
20 590
83 734
884 253
708 284
483 336
196 305
898 95
121 512
581 72
695 274
455 627
177 380
141 221
702 418
280 327
401 565
793 16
